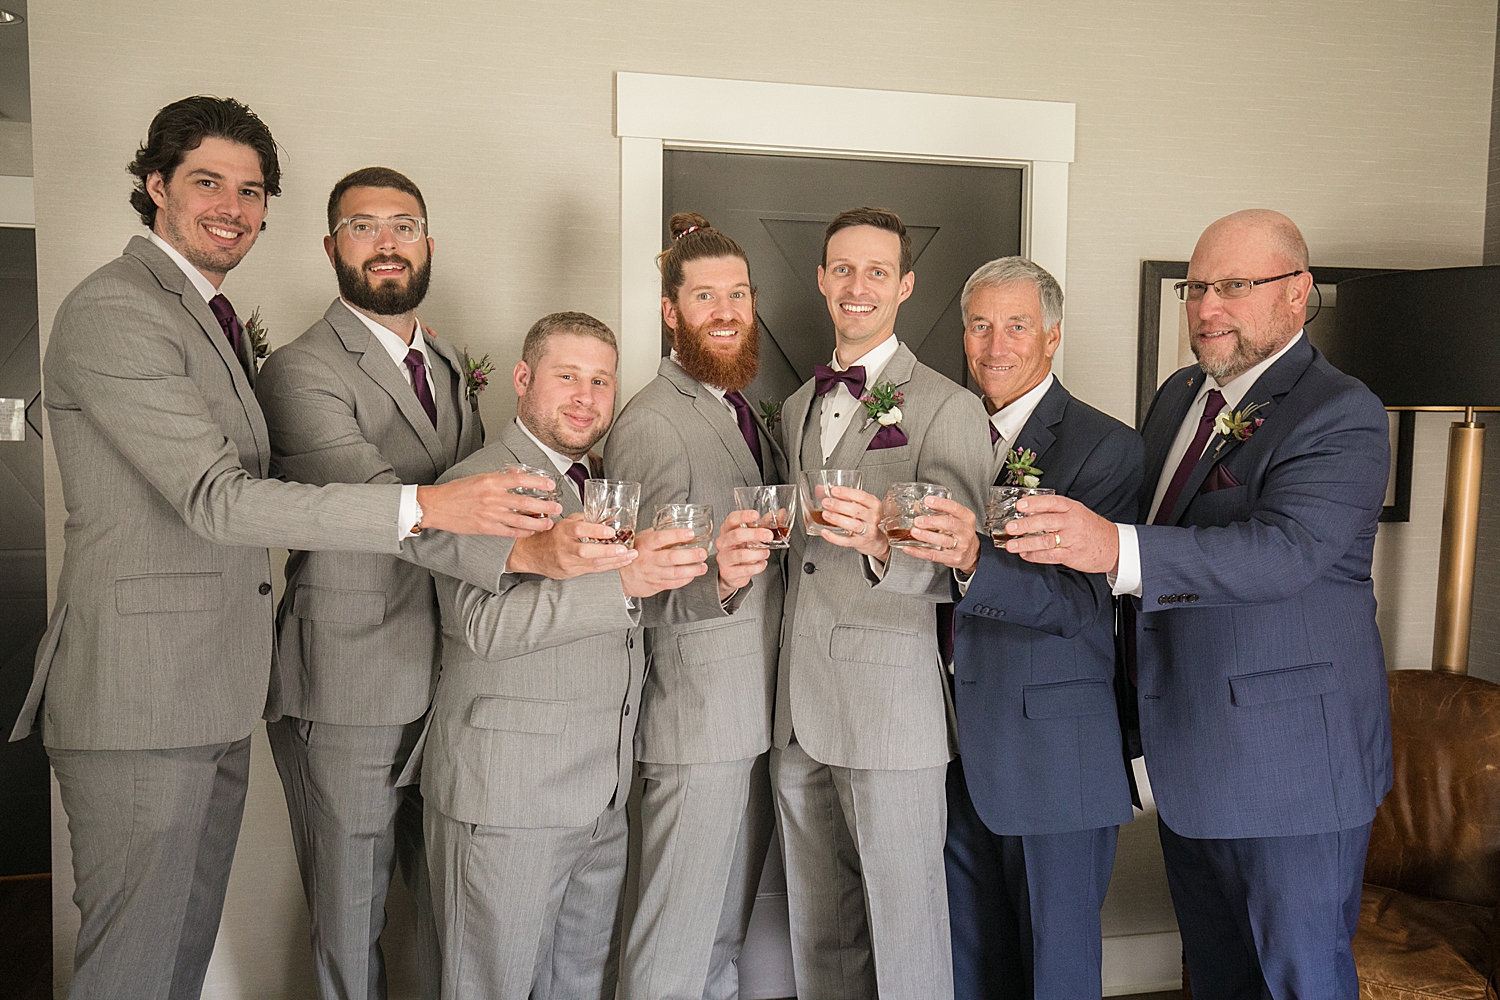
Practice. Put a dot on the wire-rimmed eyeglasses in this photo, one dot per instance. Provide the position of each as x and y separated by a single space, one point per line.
1224 288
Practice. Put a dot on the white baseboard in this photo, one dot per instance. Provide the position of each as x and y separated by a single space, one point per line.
1142 963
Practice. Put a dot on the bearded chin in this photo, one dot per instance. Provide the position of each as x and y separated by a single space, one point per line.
731 373
387 298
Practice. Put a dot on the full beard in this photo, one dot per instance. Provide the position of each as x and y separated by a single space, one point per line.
1244 357
696 356
385 297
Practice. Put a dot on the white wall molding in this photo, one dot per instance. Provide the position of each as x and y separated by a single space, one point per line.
655 112
17 203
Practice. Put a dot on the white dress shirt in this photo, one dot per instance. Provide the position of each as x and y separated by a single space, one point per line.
839 406
406 514
392 342
718 393
1127 576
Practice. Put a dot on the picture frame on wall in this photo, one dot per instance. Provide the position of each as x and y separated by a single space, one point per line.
1162 348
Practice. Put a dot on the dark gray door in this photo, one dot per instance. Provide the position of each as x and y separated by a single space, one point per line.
24 834
777 207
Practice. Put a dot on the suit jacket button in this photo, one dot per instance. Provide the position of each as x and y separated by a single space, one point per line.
630 642
627 708
809 568
265 589
1191 598
1163 599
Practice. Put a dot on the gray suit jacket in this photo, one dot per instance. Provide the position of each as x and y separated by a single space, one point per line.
357 633
712 677
161 635
860 681
536 708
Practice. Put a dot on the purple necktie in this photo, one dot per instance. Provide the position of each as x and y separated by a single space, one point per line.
418 366
746 420
579 474
224 313
994 434
1211 408
825 379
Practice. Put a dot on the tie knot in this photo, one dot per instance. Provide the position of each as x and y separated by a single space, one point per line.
737 401
825 379
415 359
223 311
579 473
1213 404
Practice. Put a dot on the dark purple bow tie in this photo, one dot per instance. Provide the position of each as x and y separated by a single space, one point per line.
825 378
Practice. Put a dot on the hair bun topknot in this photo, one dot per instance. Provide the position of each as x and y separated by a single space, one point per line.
683 223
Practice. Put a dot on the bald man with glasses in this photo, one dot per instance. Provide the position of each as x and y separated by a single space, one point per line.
1264 711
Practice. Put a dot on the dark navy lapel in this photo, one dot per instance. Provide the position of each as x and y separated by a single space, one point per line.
1273 383
1164 419
1036 434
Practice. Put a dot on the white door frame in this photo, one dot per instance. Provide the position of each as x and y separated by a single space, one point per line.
655 112
18 205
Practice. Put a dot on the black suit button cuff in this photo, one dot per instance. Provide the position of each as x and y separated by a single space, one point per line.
809 568
265 589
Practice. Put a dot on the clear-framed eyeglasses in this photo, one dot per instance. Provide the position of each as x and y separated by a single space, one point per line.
1224 288
366 228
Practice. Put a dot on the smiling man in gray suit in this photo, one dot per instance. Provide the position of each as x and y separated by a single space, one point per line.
690 437
155 664
527 756
862 738
364 396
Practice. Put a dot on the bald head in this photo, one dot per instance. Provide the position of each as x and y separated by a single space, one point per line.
1267 230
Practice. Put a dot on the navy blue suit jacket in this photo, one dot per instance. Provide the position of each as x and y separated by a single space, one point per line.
1034 649
1263 702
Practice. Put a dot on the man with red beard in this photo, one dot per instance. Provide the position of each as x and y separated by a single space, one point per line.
690 437
363 396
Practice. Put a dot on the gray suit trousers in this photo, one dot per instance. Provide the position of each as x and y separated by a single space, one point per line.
528 913
866 886
705 829
153 835
350 826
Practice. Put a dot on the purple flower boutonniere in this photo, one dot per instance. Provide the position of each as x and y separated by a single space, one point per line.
477 372
883 405
1238 425
1020 470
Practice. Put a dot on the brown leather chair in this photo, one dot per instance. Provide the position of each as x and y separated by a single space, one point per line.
1427 919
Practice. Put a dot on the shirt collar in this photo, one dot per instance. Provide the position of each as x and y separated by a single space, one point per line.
874 360
205 287
561 461
717 392
1239 388
393 344
1011 417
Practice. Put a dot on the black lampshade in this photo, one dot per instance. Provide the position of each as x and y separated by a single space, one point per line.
1421 338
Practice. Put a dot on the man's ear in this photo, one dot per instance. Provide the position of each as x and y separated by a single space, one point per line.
908 282
669 314
328 247
156 188
520 378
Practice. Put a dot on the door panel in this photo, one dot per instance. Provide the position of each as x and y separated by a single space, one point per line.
777 208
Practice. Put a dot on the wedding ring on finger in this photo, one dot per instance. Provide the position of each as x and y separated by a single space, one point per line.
1057 539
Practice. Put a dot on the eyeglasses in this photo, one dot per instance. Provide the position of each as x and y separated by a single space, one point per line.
366 228
1224 288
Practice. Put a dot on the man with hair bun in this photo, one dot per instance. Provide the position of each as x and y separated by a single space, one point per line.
364 396
155 665
691 437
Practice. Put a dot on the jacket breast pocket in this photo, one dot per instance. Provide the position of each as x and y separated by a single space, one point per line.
341 607
519 715
889 647
1067 699
1283 684
169 592
704 646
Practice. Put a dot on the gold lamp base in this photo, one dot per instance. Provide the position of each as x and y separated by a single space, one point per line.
1455 594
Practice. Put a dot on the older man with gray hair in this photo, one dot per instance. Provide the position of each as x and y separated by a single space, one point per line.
1039 789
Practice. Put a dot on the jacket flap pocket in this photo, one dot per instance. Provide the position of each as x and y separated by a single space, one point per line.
1280 685
344 607
1068 698
519 715
890 647
719 641
136 595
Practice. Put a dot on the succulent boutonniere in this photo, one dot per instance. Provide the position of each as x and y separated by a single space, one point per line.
477 372
770 412
1240 424
259 345
883 403
1019 470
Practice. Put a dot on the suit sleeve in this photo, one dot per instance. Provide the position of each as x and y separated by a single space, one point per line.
316 438
116 354
647 448
531 613
1055 599
1324 487
956 452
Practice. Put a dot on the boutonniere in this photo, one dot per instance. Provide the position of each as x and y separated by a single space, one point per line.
259 345
883 403
771 413
1019 470
477 372
1240 424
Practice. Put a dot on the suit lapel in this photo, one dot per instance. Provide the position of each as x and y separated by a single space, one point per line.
1273 383
795 413
855 443
1037 434
453 416
528 453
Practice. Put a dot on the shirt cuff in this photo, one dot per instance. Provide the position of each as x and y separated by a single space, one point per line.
963 580
406 514
877 567
1126 579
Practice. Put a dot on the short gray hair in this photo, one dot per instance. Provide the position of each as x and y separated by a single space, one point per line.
1013 270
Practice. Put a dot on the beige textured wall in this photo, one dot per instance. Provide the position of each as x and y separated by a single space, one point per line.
1365 120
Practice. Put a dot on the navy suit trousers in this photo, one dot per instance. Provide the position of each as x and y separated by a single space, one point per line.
1268 917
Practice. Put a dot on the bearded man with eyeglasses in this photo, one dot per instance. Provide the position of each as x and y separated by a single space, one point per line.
365 395
1264 711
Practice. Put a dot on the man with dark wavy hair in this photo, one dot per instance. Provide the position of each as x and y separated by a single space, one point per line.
154 668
